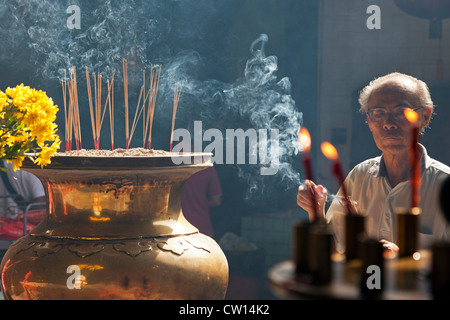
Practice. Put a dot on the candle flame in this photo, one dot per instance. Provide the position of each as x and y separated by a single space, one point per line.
304 139
329 150
411 115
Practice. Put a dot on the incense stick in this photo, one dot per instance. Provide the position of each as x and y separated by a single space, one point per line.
125 85
95 120
91 108
137 114
154 84
98 110
176 99
111 112
96 113
66 122
69 116
77 111
108 99
74 114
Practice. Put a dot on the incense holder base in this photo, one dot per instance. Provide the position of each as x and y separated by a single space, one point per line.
115 230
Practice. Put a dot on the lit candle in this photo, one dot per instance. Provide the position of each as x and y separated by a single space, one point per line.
304 141
331 153
413 117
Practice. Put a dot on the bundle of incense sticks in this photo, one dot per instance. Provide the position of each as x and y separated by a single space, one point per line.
97 115
152 94
139 110
71 110
145 107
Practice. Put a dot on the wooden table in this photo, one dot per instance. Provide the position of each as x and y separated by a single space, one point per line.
404 279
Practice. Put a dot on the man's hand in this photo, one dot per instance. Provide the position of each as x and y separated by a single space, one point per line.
390 249
308 193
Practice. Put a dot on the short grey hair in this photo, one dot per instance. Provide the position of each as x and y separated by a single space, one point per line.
422 90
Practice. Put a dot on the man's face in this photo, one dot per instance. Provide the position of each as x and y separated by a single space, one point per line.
390 129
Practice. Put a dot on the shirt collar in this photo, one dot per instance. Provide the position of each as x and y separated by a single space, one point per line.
378 169
426 160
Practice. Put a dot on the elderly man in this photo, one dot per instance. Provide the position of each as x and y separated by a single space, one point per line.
379 186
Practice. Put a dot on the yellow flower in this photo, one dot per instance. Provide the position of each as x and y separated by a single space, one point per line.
17 162
3 99
19 96
44 157
27 118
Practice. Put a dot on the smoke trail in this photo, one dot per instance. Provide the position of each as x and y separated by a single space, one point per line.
259 100
268 105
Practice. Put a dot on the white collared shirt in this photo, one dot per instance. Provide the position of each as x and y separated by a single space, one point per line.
367 185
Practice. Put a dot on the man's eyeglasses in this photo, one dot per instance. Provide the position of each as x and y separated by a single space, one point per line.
381 115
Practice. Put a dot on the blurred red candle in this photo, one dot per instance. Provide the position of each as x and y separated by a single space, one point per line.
413 118
331 153
304 141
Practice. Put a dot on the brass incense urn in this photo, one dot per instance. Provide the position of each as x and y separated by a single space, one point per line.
114 229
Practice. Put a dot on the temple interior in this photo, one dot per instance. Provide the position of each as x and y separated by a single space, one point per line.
250 74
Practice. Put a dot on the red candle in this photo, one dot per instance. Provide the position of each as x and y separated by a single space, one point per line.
331 153
304 141
413 117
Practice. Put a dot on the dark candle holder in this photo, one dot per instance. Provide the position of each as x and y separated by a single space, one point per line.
407 228
354 227
371 255
321 249
301 247
440 274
